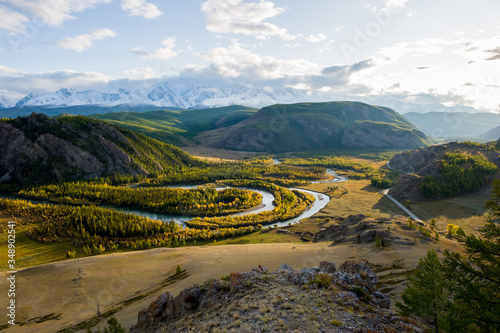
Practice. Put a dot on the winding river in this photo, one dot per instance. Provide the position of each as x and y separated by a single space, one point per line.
266 204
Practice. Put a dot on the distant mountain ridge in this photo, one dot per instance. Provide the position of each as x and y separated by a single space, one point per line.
179 94
458 124
492 134
163 94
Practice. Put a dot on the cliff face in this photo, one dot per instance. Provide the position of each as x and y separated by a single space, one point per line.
321 299
39 148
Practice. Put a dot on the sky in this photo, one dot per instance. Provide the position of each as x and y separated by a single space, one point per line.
420 51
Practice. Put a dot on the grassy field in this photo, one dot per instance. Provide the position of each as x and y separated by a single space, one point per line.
217 155
466 211
30 252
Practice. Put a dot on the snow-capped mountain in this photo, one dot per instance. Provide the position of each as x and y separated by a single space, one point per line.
165 94
162 94
5 103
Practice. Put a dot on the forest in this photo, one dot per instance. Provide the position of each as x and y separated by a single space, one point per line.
360 170
289 204
175 201
460 173
96 229
285 175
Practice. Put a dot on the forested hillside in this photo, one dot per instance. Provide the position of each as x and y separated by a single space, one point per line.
39 149
178 127
444 170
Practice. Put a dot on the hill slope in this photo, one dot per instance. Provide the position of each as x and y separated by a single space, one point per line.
492 134
38 149
305 126
444 170
178 126
457 124
320 299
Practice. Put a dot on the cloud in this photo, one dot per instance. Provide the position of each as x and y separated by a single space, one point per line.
237 61
54 12
316 38
7 70
18 83
238 17
335 76
481 50
140 8
496 54
419 48
393 6
12 21
141 72
165 52
80 43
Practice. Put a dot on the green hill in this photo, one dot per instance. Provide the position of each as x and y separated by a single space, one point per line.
178 127
309 126
38 149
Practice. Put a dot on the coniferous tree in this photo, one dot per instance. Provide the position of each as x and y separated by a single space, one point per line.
475 278
425 296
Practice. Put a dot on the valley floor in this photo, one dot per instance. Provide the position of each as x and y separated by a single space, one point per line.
73 288
65 293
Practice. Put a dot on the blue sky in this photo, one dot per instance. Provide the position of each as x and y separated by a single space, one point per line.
420 51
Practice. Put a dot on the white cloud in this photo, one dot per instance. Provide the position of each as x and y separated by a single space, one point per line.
4 70
140 8
480 50
54 12
80 43
420 48
165 52
141 72
393 6
19 83
316 38
236 60
236 16
12 21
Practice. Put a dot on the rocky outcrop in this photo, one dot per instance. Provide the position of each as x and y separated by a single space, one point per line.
343 300
38 148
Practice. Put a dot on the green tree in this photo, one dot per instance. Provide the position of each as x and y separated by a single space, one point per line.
425 296
475 277
114 327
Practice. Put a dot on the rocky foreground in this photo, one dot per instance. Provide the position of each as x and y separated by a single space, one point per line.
319 299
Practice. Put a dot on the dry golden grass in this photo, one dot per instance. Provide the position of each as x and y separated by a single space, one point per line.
217 155
466 211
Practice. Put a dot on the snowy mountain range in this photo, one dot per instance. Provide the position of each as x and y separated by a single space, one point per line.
163 94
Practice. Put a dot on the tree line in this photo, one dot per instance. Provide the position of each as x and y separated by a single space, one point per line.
97 229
